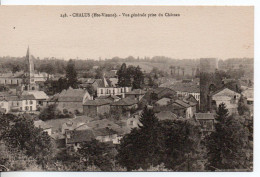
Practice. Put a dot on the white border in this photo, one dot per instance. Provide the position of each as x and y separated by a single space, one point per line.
255 3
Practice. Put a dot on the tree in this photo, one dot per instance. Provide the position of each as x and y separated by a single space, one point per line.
138 78
33 141
228 147
50 112
121 73
242 107
71 75
143 147
183 148
91 90
95 153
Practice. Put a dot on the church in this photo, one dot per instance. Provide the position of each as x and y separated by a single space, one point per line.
25 80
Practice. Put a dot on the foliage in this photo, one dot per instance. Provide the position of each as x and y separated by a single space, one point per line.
50 112
71 75
242 106
24 136
95 153
183 148
142 148
15 160
91 90
130 76
228 147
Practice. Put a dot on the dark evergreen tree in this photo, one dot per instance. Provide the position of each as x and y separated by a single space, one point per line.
138 78
143 147
228 147
95 153
183 148
121 73
71 75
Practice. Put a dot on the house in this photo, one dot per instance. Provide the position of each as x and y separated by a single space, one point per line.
229 97
206 121
72 100
77 123
186 89
249 95
4 105
118 91
163 92
40 96
93 108
28 103
166 115
135 94
107 135
181 108
44 126
113 98
124 105
56 124
73 138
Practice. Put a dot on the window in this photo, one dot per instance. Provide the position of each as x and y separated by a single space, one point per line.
17 103
31 102
30 108
26 102
131 122
26 108
101 90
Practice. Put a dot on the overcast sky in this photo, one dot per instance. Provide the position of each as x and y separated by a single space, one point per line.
222 32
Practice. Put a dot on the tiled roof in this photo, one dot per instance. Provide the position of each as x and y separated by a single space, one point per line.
39 95
28 97
204 116
163 101
166 115
182 103
97 102
104 131
136 92
12 98
57 123
72 95
79 136
124 102
186 87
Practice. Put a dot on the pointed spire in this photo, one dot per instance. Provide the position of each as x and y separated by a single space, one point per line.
28 52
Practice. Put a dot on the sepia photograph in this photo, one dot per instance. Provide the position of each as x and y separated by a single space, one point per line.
126 88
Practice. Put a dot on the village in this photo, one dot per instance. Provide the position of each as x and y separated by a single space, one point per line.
110 107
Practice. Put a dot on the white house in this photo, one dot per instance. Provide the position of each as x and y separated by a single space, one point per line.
229 97
28 103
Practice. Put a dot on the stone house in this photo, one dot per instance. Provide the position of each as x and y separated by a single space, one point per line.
93 108
136 94
229 97
72 100
124 105
206 121
73 138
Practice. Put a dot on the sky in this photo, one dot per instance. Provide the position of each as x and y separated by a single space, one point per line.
199 32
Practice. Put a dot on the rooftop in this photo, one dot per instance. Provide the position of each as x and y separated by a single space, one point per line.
136 92
97 102
166 115
79 136
124 102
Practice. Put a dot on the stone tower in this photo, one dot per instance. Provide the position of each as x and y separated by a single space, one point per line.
30 82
